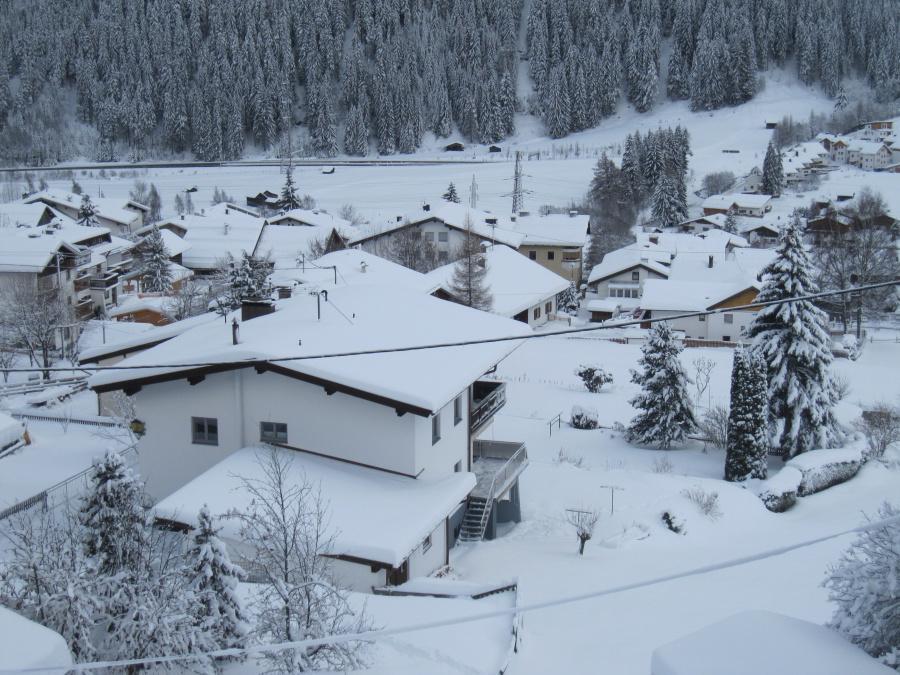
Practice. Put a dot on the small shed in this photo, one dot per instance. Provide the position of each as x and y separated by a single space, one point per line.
454 147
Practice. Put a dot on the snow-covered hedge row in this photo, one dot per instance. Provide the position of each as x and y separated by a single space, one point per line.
584 418
823 469
779 493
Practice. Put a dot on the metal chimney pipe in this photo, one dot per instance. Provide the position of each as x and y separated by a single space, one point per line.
235 331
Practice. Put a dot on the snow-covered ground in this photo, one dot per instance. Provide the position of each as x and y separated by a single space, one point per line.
559 176
617 633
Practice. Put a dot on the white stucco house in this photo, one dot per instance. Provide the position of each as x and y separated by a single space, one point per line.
520 288
396 440
752 205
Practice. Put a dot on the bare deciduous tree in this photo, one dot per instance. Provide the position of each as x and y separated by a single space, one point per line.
186 301
703 368
285 528
881 427
584 523
34 318
409 248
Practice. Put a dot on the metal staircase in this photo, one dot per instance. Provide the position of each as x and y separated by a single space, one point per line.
475 520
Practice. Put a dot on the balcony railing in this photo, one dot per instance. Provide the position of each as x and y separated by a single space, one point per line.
101 283
501 462
82 283
487 398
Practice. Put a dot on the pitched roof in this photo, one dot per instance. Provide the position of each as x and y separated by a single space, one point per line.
30 249
516 283
357 267
22 213
741 200
311 217
285 244
624 259
116 210
353 318
688 296
217 233
556 229
145 339
373 515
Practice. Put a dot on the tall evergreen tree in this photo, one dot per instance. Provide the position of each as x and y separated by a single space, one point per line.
87 212
153 263
450 195
793 341
666 203
218 609
773 171
747 447
467 284
356 136
665 415
289 199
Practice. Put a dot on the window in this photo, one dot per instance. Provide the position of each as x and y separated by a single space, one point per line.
701 318
205 430
729 318
436 428
548 307
442 236
726 338
551 255
537 313
457 468
429 236
273 432
532 255
426 544
457 410
636 275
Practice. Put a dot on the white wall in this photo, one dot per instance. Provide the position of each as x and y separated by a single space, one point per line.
422 563
712 328
602 287
439 459
357 577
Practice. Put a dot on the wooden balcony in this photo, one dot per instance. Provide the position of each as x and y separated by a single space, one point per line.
102 283
488 397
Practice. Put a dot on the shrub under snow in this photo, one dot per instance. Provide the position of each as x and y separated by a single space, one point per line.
594 377
823 469
584 418
779 493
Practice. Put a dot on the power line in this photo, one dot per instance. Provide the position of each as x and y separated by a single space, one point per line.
476 341
380 634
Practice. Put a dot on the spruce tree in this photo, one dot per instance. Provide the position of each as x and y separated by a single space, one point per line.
153 263
665 415
747 447
467 284
289 199
557 110
730 225
668 210
793 341
114 517
356 136
451 195
773 172
218 610
87 213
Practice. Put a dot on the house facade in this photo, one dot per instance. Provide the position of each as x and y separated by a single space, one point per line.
669 299
120 216
751 205
555 241
406 422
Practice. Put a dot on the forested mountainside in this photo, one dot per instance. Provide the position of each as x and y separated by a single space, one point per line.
131 79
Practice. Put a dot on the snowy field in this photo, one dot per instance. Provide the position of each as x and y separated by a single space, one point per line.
617 634
558 177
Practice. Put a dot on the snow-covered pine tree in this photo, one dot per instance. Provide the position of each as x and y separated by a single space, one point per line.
678 84
747 447
773 172
76 188
289 199
356 136
863 585
114 516
666 204
153 263
154 203
324 137
451 195
665 415
87 212
730 225
467 285
567 300
218 609
840 101
631 168
793 341
557 109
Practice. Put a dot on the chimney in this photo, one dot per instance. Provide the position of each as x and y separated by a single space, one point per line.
710 262
235 331
226 211
399 218
491 221
251 309
426 207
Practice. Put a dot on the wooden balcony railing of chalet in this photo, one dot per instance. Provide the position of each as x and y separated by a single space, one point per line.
487 398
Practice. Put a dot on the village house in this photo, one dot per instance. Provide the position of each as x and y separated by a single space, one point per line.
265 201
555 241
863 154
83 264
295 247
877 130
121 216
752 205
520 288
405 433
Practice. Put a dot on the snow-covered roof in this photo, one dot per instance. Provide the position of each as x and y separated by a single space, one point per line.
711 241
611 304
740 200
556 229
25 644
687 296
121 211
357 267
755 642
22 213
866 147
372 514
515 282
284 244
353 318
30 249
217 233
312 218
498 228
174 244
620 260
145 339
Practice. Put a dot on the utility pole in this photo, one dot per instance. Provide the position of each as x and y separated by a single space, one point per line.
518 198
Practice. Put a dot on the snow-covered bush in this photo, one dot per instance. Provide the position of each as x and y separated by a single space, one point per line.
584 523
881 427
779 493
673 522
707 502
851 346
823 469
662 465
713 425
567 300
864 583
564 457
584 418
594 377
